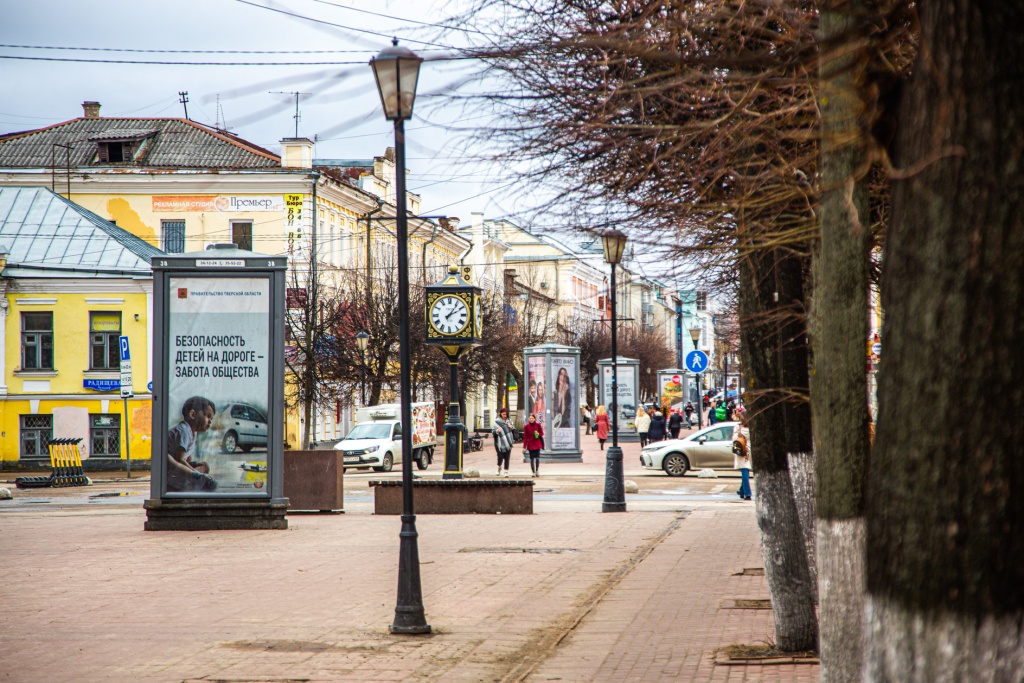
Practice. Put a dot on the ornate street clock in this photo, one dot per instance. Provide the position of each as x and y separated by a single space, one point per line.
454 324
454 320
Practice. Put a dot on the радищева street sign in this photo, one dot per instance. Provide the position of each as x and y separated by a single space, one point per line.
126 368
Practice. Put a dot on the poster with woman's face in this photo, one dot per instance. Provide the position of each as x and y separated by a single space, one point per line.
564 405
535 379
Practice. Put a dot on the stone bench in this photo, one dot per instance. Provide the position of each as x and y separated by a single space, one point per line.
456 496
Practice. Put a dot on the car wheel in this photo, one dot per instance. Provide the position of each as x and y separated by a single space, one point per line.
387 464
675 464
423 459
229 443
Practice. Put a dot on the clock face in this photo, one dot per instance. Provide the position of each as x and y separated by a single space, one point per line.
479 319
449 315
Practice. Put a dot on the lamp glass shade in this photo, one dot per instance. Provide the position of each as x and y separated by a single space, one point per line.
614 243
397 70
695 333
362 339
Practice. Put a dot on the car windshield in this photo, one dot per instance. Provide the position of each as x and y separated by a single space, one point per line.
370 431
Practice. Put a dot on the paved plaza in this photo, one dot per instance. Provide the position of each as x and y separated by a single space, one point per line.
566 594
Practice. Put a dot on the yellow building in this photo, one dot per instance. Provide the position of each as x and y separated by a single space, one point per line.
71 283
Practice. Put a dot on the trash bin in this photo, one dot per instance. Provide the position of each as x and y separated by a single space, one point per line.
313 480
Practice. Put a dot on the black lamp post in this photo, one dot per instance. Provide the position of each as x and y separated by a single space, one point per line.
397 70
695 336
363 339
614 242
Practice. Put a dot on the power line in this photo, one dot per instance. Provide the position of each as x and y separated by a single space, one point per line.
409 21
186 52
341 26
81 60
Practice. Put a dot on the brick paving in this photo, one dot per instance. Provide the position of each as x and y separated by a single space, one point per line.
87 595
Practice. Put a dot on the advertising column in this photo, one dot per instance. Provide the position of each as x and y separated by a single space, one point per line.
553 395
627 370
218 391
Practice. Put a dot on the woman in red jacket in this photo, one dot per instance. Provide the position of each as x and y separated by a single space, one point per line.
533 441
602 424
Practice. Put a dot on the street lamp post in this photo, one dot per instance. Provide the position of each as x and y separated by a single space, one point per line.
695 336
614 242
396 70
363 339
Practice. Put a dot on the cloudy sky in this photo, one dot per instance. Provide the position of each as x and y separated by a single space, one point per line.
339 106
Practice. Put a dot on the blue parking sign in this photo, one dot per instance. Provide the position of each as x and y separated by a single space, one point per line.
696 361
125 352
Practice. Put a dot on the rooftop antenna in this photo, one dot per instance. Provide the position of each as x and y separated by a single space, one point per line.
297 114
216 114
183 98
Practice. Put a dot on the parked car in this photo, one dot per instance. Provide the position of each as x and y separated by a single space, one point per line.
242 426
376 440
710 447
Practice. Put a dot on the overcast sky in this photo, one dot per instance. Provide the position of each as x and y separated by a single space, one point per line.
341 110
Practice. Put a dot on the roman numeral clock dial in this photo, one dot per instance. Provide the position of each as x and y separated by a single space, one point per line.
449 315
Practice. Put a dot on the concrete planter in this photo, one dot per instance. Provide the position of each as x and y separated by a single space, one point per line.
456 496
313 480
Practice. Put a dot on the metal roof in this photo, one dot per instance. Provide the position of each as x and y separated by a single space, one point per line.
46 235
175 143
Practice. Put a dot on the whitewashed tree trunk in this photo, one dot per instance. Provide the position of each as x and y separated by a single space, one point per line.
945 514
801 474
841 594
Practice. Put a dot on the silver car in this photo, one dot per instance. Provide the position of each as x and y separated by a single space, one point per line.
710 447
243 426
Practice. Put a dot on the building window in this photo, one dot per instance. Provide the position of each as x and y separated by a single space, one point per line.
37 341
116 152
174 236
105 435
104 330
702 300
36 435
241 234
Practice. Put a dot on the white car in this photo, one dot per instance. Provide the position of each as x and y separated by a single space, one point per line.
710 447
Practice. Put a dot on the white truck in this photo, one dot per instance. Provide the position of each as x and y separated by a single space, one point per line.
376 440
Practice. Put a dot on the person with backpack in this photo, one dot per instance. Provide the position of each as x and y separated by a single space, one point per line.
741 454
657 429
675 423
721 413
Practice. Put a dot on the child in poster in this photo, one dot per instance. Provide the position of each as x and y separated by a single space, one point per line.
183 472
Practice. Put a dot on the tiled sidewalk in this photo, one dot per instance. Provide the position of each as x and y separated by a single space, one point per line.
566 594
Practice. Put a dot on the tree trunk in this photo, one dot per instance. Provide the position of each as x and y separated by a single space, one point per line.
795 378
782 547
839 324
945 514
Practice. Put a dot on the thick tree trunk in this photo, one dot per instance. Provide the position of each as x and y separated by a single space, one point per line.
945 515
839 325
782 546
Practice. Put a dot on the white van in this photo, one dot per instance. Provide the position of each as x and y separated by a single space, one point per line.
376 440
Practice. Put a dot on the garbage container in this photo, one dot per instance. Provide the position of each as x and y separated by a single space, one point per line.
313 480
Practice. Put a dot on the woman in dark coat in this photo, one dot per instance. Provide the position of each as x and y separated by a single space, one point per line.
657 431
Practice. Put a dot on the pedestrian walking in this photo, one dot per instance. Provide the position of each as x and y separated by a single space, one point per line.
588 418
741 454
689 414
533 442
711 415
643 423
504 437
721 414
601 425
675 423
657 430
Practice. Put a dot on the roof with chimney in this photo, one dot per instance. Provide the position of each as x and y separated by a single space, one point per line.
46 235
144 143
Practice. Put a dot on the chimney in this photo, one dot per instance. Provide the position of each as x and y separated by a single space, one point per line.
92 109
296 153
